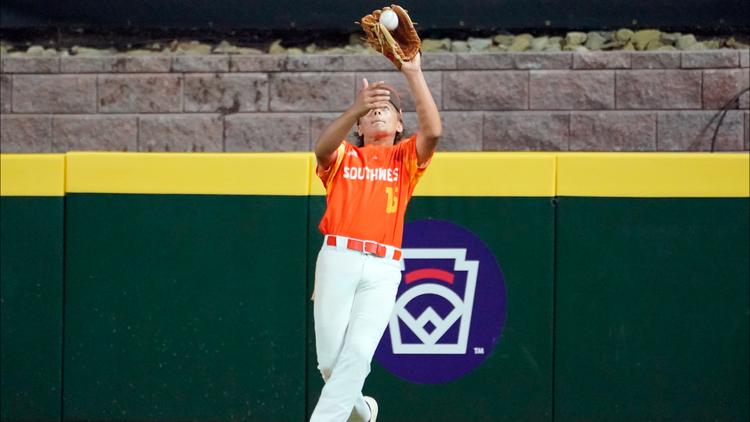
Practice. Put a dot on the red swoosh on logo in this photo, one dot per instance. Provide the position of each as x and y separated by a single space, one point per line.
432 273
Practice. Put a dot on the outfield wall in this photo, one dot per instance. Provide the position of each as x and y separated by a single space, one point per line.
145 286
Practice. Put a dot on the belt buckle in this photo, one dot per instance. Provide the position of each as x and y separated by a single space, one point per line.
371 248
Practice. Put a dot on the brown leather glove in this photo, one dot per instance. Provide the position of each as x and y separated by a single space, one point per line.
398 46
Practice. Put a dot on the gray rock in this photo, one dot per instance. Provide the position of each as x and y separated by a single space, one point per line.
35 50
479 44
276 48
539 44
733 43
622 36
460 47
91 52
713 44
668 38
697 47
521 42
191 47
607 35
433 44
225 47
575 38
685 41
503 39
654 45
594 41
643 38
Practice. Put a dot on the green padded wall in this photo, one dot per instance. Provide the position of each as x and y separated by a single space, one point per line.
31 302
185 307
651 314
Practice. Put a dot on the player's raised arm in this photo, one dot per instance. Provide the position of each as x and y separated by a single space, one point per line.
430 128
371 96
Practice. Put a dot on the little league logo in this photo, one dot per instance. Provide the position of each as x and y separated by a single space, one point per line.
450 307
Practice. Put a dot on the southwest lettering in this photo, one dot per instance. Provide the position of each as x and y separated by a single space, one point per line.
371 174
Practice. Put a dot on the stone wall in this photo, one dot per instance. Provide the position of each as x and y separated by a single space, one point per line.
605 101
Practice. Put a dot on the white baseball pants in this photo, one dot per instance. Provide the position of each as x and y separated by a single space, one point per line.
354 298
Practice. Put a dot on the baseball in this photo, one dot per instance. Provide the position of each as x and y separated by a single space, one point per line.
389 19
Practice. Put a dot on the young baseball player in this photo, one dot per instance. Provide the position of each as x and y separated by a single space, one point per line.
358 268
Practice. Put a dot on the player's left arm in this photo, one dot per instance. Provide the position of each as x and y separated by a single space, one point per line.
430 128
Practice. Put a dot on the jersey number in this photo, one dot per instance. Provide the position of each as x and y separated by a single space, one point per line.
392 204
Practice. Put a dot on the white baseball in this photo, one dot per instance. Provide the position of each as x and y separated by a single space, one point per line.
389 19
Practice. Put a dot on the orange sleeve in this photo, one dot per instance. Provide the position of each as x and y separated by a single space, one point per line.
326 174
414 170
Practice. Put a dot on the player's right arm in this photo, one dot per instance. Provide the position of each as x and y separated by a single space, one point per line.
329 140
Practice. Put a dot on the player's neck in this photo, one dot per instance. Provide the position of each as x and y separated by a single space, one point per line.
381 141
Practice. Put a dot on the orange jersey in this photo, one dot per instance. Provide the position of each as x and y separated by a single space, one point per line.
367 190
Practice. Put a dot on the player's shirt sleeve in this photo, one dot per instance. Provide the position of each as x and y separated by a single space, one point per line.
415 171
326 174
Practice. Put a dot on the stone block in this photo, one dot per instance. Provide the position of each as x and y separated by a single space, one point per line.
38 65
694 130
655 59
25 134
526 131
311 91
320 121
438 61
658 89
602 60
572 90
200 63
485 90
257 63
720 86
337 62
94 133
612 131
521 61
398 81
483 61
226 93
143 93
267 132
6 85
462 130
183 133
710 59
54 93
115 64
140 64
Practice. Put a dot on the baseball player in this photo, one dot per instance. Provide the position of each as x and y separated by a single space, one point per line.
358 268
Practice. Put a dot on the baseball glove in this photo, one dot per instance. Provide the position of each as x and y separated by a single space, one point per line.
398 46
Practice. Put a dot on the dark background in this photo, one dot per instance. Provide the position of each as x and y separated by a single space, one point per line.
697 16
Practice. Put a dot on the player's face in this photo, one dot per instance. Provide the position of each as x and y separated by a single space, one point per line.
379 125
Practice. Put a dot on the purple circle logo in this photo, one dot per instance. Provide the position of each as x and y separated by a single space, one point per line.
450 306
